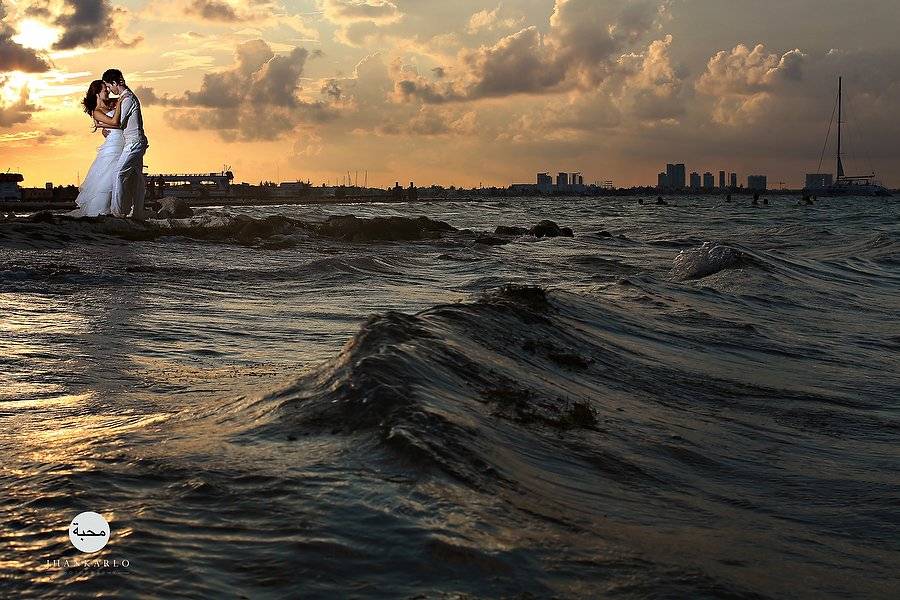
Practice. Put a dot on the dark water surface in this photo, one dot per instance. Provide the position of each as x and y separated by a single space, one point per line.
691 401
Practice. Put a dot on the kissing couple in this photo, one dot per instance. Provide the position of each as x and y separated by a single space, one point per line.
114 185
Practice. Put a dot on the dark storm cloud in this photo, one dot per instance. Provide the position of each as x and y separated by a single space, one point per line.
14 56
213 10
257 99
88 23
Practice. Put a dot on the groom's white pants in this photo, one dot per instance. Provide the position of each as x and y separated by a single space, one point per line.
128 186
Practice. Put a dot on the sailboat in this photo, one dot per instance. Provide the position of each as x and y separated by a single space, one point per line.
843 184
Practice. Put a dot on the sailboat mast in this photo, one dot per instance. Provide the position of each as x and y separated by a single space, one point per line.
840 164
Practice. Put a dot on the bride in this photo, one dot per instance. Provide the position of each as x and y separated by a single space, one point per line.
95 192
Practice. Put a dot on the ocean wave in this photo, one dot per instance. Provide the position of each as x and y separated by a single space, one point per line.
552 379
432 386
18 277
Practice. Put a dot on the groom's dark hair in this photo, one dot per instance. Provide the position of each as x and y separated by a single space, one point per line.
113 76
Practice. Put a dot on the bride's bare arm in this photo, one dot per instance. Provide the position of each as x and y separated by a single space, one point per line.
113 122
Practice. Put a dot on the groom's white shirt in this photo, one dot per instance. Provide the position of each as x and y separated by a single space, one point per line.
131 119
128 186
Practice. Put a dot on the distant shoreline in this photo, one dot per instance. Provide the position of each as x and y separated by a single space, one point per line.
214 202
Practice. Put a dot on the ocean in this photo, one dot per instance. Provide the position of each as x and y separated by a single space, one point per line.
697 400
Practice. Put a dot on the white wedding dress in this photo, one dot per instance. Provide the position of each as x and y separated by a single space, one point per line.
95 193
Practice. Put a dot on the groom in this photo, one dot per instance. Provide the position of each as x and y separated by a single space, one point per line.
128 185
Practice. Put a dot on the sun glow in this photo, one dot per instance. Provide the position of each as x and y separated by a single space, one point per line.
13 84
37 35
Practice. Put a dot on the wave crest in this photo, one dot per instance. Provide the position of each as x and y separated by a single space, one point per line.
709 259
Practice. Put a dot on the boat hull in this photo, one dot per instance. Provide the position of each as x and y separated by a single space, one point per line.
852 190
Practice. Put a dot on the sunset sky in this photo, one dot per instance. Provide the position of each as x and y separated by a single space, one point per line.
456 92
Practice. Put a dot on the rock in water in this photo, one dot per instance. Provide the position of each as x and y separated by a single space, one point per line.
490 240
354 229
507 230
550 229
174 208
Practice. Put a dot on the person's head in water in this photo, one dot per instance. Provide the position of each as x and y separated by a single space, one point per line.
115 81
96 94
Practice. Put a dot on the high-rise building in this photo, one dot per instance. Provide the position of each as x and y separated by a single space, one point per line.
722 179
662 181
670 176
562 179
757 183
709 182
695 180
544 183
734 180
675 174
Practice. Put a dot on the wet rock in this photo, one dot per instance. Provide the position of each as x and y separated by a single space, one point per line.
44 216
355 229
174 208
505 230
604 234
246 230
491 240
661 202
548 228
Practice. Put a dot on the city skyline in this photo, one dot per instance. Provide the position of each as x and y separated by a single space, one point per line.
467 94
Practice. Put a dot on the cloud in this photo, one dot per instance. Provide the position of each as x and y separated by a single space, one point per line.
431 122
644 90
14 56
225 11
332 89
258 98
17 112
492 20
213 10
744 81
89 23
580 51
651 89
378 11
360 21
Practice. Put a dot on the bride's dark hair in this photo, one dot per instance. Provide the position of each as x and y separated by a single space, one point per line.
90 99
